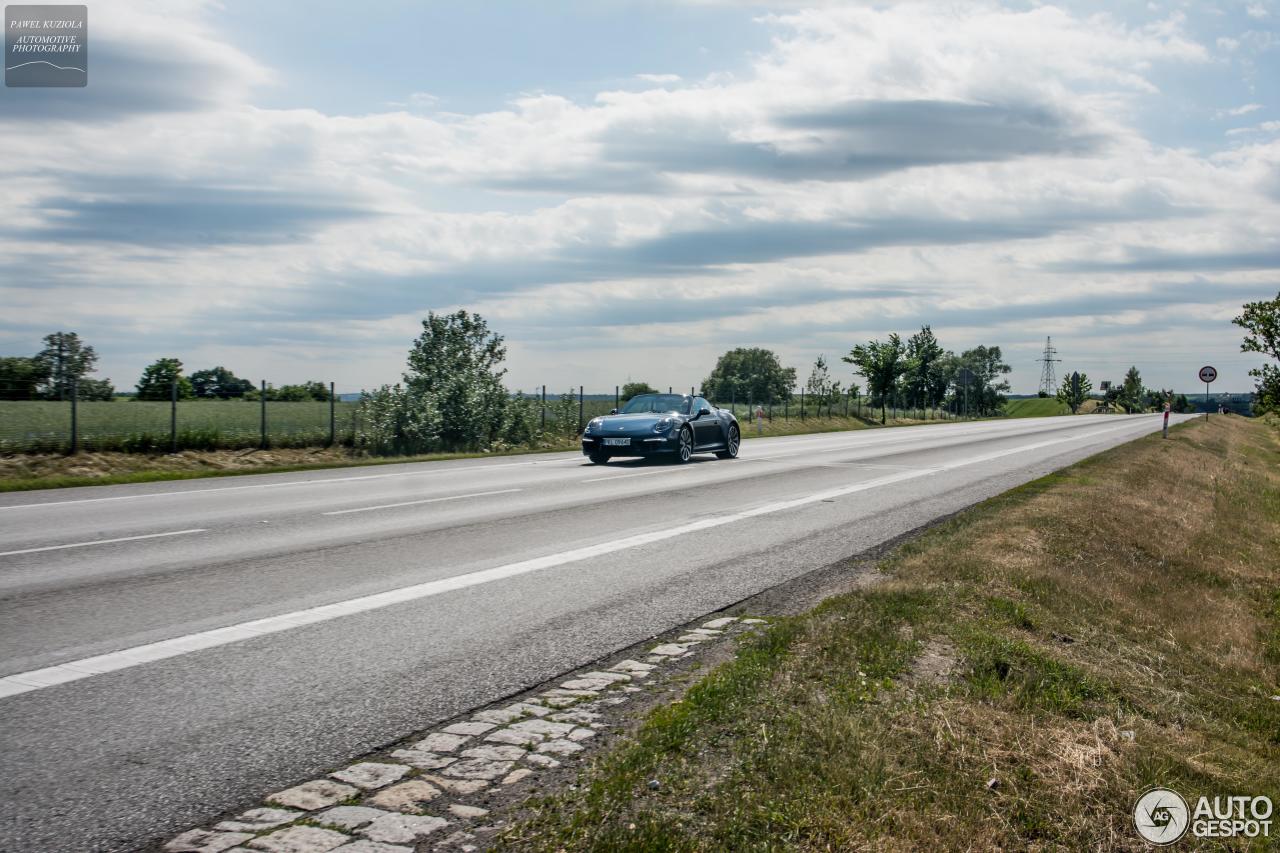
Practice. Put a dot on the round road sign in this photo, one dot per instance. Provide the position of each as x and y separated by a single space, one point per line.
1208 374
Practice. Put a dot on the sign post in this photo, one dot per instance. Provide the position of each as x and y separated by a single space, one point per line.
1207 375
1167 406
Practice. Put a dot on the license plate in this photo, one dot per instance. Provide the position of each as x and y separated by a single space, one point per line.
617 442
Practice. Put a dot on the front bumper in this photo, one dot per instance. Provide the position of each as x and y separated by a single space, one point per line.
641 445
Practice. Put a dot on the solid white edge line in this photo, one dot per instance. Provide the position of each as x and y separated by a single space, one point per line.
25 682
103 542
423 501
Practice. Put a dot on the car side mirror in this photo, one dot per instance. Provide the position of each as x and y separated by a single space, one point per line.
613 411
703 411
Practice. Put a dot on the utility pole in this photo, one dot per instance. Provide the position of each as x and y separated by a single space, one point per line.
1048 382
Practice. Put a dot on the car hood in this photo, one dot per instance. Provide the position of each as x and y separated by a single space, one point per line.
626 424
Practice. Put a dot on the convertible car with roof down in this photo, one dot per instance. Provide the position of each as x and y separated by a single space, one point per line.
652 424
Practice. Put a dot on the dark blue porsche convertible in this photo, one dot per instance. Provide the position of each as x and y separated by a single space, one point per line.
650 424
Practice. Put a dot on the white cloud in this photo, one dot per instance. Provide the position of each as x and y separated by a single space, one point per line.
1262 127
1243 109
877 165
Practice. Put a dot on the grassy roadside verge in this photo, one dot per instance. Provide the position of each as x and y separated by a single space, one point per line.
1020 674
25 472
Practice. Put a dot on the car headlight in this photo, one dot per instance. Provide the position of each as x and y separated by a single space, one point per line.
664 425
594 424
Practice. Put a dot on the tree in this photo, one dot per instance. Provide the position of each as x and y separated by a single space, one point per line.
1075 391
924 377
395 420
635 389
21 378
881 364
1261 322
96 389
158 378
304 392
986 393
66 359
1154 399
1131 391
218 383
456 363
749 374
819 385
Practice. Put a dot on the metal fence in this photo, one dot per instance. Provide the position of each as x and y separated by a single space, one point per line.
173 425
567 412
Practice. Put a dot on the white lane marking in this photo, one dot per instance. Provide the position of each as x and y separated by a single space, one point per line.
423 501
102 542
327 480
25 682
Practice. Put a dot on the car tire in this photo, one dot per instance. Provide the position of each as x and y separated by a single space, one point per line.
684 446
598 458
731 445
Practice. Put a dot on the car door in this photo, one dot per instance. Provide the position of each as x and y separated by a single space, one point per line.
706 429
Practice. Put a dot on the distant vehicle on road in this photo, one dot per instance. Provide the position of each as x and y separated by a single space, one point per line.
653 424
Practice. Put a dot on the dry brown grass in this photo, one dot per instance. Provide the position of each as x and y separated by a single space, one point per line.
1110 627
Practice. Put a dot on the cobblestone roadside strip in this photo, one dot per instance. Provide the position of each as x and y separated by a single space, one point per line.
426 794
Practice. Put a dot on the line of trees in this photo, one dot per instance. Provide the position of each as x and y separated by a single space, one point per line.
1131 395
921 374
63 364
917 373
66 362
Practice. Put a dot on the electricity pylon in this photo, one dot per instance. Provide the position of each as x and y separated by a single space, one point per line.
1048 383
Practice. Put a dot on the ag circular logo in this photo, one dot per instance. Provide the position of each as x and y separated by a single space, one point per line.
1161 816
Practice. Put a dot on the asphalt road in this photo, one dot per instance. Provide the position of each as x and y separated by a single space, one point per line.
136 702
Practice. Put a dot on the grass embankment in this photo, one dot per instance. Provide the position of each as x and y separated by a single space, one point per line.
1035 407
28 471
1075 640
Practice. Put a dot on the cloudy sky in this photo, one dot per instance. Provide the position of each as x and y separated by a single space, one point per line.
627 189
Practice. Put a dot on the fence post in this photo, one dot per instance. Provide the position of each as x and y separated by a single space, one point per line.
580 408
333 431
263 441
75 426
173 415
617 399
786 409
802 405
733 401
544 408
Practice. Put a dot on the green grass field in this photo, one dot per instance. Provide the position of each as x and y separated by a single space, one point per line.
1035 407
144 426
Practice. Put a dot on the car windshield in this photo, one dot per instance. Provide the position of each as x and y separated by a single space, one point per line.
657 403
